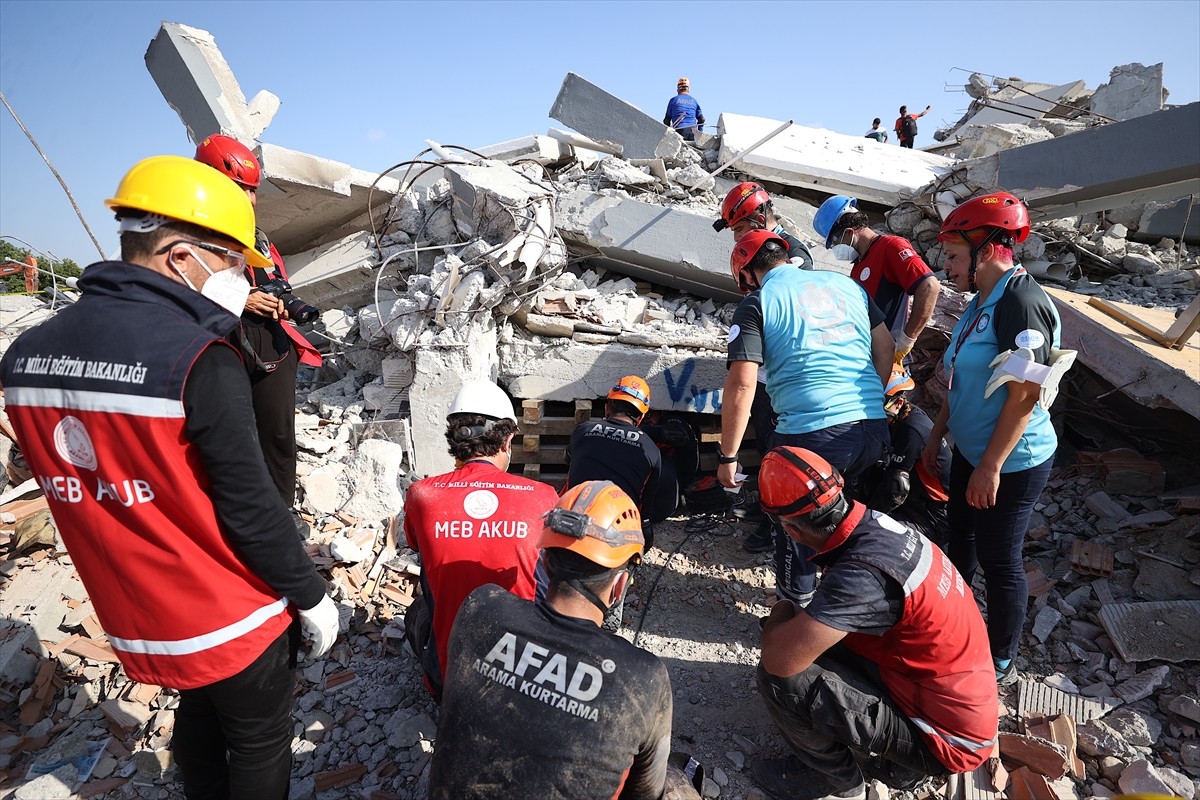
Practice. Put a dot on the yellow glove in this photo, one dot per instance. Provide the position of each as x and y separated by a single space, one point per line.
904 346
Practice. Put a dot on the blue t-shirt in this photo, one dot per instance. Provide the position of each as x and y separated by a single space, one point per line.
683 111
811 329
1016 314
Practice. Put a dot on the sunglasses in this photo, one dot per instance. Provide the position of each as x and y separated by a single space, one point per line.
233 258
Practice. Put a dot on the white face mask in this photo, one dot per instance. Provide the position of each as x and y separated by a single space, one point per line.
227 288
844 252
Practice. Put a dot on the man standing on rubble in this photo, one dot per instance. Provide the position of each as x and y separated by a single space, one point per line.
827 355
747 207
887 673
888 267
683 112
272 348
906 126
135 416
540 702
472 526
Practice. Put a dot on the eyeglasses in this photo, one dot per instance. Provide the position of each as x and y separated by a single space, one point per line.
233 258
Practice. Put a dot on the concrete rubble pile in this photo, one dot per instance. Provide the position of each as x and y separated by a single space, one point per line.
556 264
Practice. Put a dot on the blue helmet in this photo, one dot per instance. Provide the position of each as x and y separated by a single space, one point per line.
829 213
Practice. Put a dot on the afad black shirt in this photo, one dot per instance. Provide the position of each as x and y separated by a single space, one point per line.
621 452
540 705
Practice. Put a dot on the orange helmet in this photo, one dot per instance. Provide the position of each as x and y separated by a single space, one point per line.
793 481
598 521
632 390
742 201
744 252
228 155
999 210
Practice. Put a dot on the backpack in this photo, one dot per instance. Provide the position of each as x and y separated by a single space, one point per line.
908 127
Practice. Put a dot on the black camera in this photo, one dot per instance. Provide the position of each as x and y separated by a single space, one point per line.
297 309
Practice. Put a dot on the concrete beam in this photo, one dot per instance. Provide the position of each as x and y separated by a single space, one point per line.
1172 220
598 114
438 374
562 369
305 199
542 149
812 158
1136 161
1145 371
198 84
337 274
668 246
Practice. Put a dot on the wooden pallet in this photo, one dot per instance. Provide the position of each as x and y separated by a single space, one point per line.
546 428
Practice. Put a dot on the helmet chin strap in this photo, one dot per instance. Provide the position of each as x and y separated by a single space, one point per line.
589 595
991 237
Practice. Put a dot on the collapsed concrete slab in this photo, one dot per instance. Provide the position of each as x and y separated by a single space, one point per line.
1012 105
1170 219
1130 162
1145 371
663 245
198 84
561 369
304 199
542 149
1133 90
812 158
598 114
336 274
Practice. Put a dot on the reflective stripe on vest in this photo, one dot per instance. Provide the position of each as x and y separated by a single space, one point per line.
205 641
100 402
954 741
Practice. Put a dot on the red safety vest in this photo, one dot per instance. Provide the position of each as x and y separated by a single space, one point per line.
96 397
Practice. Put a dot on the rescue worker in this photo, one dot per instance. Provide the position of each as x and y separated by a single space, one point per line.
474 525
132 411
886 674
616 449
902 487
747 207
887 266
540 702
827 355
272 348
1003 366
683 112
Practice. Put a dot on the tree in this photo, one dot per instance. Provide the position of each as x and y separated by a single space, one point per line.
63 268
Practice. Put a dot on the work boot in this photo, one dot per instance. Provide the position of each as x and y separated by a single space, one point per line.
788 779
761 540
1006 673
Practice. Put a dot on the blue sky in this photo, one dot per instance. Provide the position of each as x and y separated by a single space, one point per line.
367 83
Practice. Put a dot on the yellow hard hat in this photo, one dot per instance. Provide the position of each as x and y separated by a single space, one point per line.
188 191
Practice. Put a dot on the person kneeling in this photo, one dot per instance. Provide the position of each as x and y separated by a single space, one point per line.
887 673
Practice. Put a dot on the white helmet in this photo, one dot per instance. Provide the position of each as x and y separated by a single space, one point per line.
484 398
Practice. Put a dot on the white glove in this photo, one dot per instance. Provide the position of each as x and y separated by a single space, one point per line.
320 624
904 346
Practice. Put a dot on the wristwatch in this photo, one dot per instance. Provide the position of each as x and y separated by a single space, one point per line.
724 459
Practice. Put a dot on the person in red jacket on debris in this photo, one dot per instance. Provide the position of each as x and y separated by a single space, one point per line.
886 674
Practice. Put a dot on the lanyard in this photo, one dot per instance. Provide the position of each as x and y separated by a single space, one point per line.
971 329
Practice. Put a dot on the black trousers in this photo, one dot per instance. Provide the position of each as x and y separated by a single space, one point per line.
839 720
274 395
907 143
233 738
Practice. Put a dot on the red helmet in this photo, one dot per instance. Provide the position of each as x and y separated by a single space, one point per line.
742 201
234 159
997 210
744 252
793 482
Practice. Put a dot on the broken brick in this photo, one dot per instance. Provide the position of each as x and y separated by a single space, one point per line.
1040 755
1090 558
343 776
